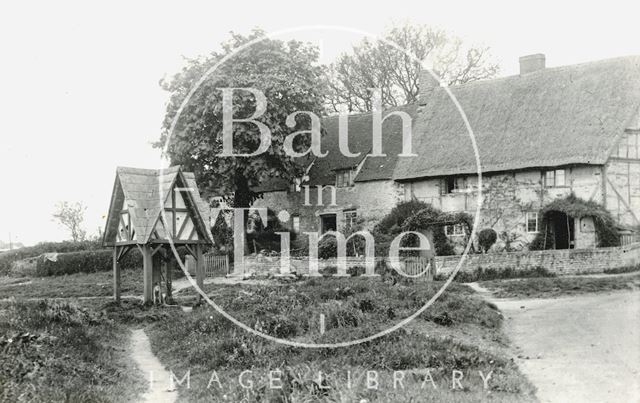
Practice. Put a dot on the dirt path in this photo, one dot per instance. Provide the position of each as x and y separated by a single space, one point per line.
581 349
154 372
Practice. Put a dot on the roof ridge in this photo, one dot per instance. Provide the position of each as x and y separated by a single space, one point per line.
546 70
147 171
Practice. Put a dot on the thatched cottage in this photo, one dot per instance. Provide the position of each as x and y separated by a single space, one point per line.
542 135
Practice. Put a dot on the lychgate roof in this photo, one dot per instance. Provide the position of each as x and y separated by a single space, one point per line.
143 192
551 117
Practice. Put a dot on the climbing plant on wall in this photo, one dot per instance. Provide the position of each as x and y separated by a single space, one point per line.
573 206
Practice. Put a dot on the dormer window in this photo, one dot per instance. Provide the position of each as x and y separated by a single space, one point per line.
344 178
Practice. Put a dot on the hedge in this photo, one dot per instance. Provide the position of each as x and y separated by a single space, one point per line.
86 262
93 261
8 257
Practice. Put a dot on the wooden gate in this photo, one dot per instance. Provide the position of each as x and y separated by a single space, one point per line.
419 268
216 265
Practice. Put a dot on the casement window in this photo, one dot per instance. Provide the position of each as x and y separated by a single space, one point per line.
344 178
454 230
295 223
555 178
531 221
452 184
350 217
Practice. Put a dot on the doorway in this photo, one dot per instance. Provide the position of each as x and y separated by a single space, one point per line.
563 229
328 222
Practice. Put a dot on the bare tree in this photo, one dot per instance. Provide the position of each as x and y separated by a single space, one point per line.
396 72
71 216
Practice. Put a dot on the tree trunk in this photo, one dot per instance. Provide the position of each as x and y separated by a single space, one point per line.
242 198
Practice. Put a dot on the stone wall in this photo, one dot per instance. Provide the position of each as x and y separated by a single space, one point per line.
560 262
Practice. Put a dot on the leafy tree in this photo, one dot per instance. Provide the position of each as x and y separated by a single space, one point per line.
291 80
375 64
71 216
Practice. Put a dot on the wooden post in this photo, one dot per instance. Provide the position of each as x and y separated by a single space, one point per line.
604 173
156 277
116 275
199 267
147 273
167 268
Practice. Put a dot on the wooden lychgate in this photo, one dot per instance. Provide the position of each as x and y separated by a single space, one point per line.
149 210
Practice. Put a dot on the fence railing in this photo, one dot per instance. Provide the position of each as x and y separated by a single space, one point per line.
216 265
627 239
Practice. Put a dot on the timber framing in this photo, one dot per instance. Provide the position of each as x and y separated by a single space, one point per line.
155 211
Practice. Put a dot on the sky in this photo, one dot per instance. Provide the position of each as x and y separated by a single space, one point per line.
79 80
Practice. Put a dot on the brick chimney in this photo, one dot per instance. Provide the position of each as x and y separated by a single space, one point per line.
531 63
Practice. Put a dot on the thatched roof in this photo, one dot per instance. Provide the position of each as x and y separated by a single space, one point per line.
552 117
139 191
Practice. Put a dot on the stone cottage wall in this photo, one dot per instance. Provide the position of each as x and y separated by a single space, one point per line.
372 200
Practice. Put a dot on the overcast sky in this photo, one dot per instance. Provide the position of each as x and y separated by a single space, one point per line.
79 91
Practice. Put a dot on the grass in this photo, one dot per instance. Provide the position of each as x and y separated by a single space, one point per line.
560 286
71 285
460 332
57 351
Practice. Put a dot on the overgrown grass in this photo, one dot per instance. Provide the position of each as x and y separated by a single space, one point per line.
203 341
56 351
560 286
72 285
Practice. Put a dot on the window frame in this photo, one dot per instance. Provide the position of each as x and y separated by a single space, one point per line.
527 219
344 178
350 217
452 184
553 174
454 230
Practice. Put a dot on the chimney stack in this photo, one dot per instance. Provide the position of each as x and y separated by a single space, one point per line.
531 63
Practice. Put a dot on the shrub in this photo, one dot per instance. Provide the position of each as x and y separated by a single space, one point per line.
486 238
327 247
392 222
8 257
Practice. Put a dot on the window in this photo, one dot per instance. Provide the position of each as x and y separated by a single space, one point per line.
350 217
555 178
531 220
344 178
451 184
296 223
454 230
